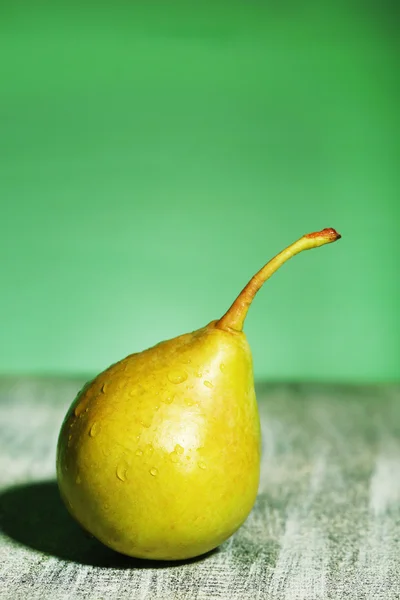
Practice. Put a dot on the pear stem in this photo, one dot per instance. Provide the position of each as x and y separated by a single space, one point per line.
235 316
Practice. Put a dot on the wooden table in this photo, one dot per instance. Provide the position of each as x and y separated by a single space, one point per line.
326 523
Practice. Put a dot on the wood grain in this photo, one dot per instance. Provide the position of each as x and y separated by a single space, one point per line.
326 523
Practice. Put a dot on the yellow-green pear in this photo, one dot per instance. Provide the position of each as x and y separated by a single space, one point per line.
159 455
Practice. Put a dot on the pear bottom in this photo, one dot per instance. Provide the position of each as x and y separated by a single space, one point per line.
174 524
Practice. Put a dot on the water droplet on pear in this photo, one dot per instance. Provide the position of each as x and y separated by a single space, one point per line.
149 449
168 399
94 430
121 471
174 457
177 376
146 421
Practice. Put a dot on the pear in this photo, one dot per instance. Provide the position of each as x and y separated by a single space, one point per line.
159 455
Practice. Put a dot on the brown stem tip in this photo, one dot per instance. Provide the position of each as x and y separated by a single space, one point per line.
329 233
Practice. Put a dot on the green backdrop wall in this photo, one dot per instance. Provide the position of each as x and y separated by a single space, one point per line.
153 156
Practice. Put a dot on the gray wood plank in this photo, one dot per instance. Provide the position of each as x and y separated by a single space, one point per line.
326 523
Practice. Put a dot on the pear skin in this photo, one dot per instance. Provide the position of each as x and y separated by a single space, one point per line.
159 456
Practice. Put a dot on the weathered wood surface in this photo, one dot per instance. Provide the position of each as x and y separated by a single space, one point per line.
326 523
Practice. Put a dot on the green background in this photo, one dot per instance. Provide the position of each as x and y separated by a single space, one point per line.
155 155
